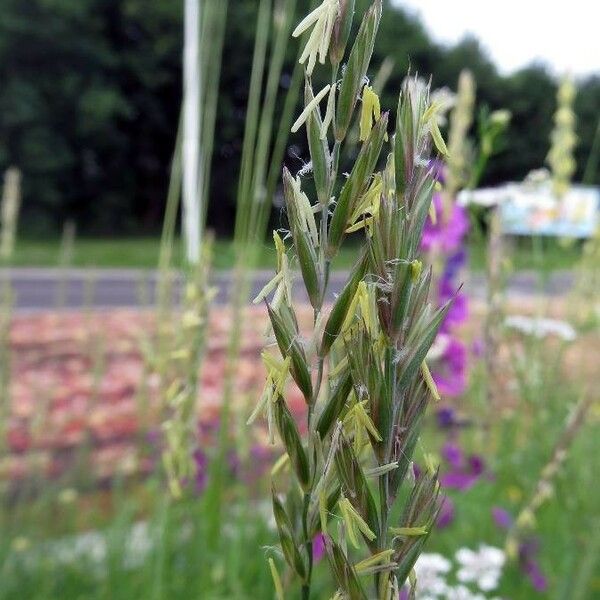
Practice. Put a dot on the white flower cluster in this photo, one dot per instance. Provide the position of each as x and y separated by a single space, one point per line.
481 568
541 328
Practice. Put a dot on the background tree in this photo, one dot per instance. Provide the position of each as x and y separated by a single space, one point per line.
91 91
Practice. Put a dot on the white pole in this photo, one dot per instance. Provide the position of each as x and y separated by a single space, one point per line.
191 131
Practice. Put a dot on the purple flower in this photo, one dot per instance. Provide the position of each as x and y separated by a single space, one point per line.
449 372
528 551
201 462
476 464
453 455
446 417
438 169
446 515
458 480
502 518
318 547
538 580
463 473
455 263
448 231
416 470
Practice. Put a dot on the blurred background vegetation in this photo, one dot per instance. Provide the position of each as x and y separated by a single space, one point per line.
91 91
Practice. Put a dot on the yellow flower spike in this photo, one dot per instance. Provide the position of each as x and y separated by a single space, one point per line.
409 531
276 580
309 108
349 523
432 213
381 470
371 111
264 401
366 420
282 463
365 222
282 376
526 519
351 311
367 205
437 138
279 249
337 596
272 363
364 301
429 381
329 113
381 558
305 211
268 288
353 519
323 511
431 113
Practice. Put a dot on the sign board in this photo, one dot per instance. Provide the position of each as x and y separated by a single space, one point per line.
534 210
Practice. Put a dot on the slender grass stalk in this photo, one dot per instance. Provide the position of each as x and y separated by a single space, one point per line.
185 360
588 566
495 278
362 369
252 117
544 486
212 37
253 207
181 343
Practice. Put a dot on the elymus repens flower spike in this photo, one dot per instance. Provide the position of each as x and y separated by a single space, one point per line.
361 368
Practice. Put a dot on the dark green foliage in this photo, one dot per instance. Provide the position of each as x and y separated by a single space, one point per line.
91 90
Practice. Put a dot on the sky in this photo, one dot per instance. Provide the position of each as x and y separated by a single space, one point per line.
564 35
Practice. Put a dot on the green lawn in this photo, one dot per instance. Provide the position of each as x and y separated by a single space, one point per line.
143 253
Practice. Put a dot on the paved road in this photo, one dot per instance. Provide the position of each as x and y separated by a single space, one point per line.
39 289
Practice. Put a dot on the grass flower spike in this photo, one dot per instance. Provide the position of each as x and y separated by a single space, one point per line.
362 369
560 158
